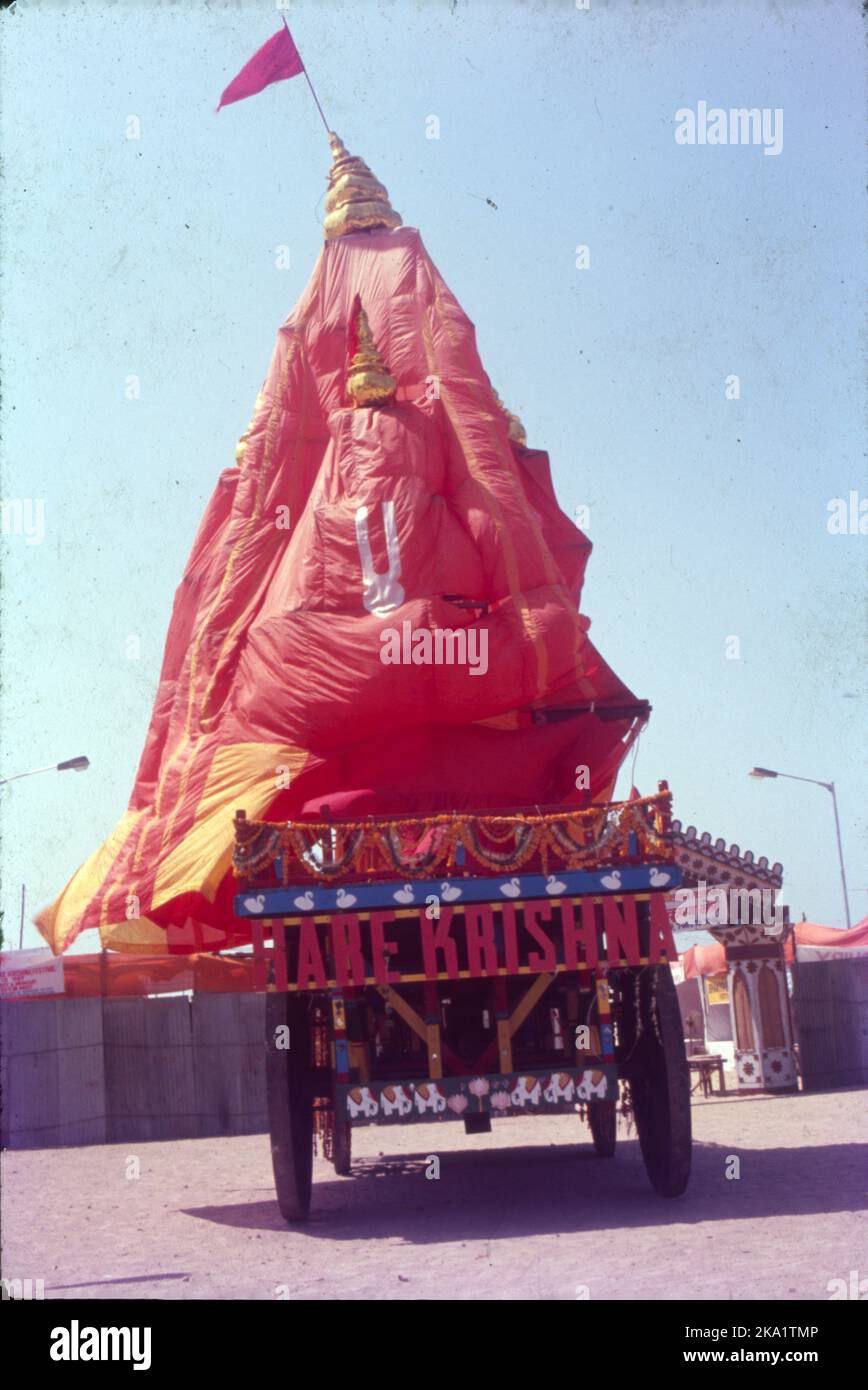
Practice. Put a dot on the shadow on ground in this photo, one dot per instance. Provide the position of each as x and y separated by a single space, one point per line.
557 1189
157 1278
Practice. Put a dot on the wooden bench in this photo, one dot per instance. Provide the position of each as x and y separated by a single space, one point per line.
706 1064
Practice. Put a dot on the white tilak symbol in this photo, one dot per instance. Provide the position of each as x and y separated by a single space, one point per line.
381 592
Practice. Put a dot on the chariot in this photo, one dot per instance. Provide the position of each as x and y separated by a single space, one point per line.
466 967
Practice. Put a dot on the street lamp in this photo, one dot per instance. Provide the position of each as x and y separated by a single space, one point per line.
71 765
830 787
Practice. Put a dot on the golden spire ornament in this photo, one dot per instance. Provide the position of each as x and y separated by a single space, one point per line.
517 431
355 200
241 446
369 381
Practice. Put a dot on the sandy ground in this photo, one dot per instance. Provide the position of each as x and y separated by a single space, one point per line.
526 1212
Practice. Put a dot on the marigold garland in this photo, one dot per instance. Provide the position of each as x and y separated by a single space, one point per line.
329 850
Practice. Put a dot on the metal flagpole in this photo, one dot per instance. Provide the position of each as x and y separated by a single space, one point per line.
831 786
309 83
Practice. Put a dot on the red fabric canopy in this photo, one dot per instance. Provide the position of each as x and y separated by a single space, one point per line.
114 975
711 959
340 524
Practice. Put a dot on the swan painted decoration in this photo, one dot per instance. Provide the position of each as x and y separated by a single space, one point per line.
255 904
305 901
345 899
612 880
511 889
404 895
448 893
658 878
554 885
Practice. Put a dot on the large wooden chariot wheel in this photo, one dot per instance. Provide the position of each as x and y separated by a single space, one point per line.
652 1059
289 1086
342 1147
603 1119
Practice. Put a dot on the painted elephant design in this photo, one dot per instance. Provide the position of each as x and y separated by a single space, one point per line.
394 1099
561 1087
528 1090
593 1086
360 1101
428 1096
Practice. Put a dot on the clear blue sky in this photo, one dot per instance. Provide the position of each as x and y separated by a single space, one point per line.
156 257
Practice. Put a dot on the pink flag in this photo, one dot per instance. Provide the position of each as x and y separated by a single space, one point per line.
273 62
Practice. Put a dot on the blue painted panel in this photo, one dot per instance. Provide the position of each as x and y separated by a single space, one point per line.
365 897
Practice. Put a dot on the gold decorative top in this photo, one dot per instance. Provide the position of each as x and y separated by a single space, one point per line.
369 381
517 431
355 201
241 446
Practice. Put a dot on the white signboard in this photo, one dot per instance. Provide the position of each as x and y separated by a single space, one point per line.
30 972
804 954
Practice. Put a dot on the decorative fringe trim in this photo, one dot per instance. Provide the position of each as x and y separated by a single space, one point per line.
443 843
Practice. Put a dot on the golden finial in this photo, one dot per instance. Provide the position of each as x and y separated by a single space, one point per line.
241 446
517 432
369 381
355 201
516 429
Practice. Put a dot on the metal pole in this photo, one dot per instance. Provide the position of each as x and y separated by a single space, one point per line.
52 767
318 107
309 83
831 786
80 764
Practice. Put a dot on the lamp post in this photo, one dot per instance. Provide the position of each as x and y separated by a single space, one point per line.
71 765
830 787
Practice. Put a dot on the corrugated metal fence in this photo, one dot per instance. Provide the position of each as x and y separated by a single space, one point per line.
830 1006
95 1071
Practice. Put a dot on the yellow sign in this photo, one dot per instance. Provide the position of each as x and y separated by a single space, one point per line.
715 989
